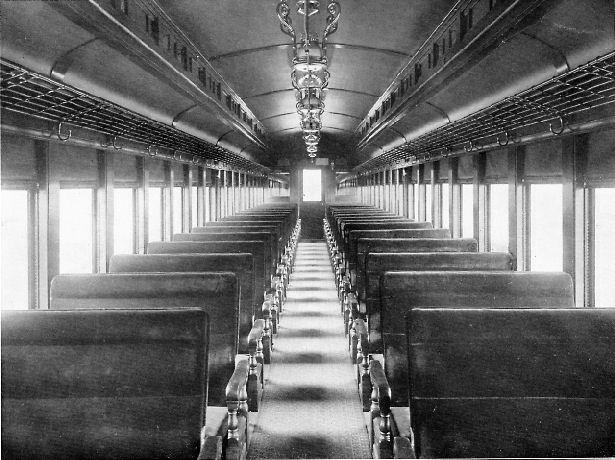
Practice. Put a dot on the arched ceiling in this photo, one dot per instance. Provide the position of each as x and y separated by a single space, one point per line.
385 92
244 42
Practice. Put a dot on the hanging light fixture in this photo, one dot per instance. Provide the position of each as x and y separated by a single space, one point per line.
309 75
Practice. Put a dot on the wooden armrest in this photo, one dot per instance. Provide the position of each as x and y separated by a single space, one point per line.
353 302
276 281
236 386
267 308
360 346
381 410
237 406
255 337
256 333
381 388
362 335
256 360
257 330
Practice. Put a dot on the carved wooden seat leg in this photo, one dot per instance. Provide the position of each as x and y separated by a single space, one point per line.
380 409
354 343
349 307
267 340
255 359
271 297
237 406
363 363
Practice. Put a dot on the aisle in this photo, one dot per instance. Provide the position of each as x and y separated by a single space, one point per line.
311 406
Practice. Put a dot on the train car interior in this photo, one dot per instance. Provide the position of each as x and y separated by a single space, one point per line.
275 229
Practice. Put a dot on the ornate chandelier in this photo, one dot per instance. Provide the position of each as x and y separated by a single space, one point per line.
309 76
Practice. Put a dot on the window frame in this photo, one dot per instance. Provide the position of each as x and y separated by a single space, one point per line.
31 188
589 238
135 217
83 185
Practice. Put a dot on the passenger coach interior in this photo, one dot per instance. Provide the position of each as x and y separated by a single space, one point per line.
275 229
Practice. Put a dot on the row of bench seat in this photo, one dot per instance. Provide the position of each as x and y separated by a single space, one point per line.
163 357
459 356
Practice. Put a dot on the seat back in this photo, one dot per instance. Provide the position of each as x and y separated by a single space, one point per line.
348 226
354 236
215 293
104 383
284 228
378 263
369 224
260 253
226 234
241 265
402 291
367 246
512 382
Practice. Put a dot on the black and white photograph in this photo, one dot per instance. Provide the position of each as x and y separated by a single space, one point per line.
307 229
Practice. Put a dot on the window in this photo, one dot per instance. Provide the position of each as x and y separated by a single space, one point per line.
206 205
124 220
498 217
195 207
444 192
122 5
546 238
76 230
15 257
152 27
155 214
222 198
312 185
178 193
436 54
428 201
415 199
183 56
604 247
465 22
400 197
467 211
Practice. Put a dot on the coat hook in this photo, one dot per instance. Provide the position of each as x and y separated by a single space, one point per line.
469 146
558 131
149 151
176 155
113 144
195 159
503 144
59 133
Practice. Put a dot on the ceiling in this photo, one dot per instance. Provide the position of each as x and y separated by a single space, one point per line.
515 45
243 41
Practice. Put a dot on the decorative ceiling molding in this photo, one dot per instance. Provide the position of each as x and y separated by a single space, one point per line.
287 90
286 46
326 111
324 127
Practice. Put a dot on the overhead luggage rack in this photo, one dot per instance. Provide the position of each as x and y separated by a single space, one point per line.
35 95
554 101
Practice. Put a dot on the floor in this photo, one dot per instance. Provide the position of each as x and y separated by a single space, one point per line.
311 406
